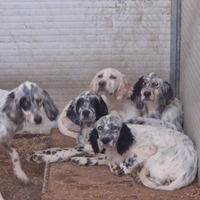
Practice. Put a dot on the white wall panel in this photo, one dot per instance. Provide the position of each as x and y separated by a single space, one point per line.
190 69
60 45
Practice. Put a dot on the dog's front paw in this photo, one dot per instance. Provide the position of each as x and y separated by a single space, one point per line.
35 157
75 161
82 161
21 176
118 171
136 178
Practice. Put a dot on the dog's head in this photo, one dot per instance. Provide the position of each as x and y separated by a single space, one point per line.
87 107
110 81
151 88
111 132
27 102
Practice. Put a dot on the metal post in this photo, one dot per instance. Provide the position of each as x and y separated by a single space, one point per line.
175 45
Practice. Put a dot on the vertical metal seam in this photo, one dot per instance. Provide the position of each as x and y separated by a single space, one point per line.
178 48
175 46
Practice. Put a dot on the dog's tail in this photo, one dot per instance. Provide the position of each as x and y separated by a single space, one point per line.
182 181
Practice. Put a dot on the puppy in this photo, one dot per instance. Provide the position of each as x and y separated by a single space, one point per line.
84 111
24 103
115 90
156 99
168 158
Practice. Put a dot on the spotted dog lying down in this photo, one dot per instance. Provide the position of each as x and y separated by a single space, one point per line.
168 158
156 99
84 111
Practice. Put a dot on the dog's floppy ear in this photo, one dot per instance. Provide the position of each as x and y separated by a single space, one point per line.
167 95
168 92
123 89
72 114
11 108
102 109
50 108
93 140
136 96
125 139
9 102
93 85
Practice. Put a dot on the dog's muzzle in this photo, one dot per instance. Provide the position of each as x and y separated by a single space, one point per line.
147 94
38 119
106 142
102 86
86 115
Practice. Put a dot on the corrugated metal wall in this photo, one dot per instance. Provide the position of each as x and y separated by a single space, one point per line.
190 69
60 45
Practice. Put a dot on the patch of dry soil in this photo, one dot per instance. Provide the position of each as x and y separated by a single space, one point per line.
10 186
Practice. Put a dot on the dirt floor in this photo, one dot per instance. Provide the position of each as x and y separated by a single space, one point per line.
68 182
10 186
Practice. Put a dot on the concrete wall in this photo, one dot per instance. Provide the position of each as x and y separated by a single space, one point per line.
61 45
190 69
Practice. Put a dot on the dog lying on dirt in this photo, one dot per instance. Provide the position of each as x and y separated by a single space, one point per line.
156 99
168 158
84 111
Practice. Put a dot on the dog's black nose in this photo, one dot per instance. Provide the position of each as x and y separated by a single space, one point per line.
147 94
102 84
38 119
86 113
106 140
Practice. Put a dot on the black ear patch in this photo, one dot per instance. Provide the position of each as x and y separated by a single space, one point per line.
50 108
168 93
136 96
9 101
102 109
125 139
12 110
72 115
93 140
167 96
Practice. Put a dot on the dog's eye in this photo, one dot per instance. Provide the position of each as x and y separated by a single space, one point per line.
100 76
25 103
38 100
143 83
113 77
114 128
100 128
155 84
80 102
93 101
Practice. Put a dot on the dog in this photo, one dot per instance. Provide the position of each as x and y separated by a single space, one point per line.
24 103
84 111
156 99
115 90
168 158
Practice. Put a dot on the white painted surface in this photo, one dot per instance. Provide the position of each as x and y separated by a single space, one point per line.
190 69
60 45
